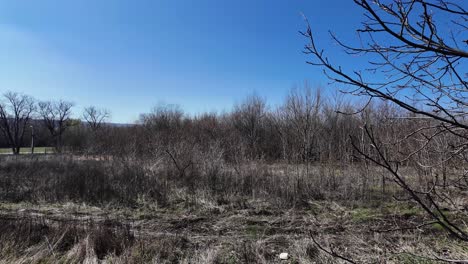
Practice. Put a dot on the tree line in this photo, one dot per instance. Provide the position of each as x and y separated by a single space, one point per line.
412 122
306 127
45 122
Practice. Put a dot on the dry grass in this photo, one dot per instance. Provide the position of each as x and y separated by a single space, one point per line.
87 211
75 233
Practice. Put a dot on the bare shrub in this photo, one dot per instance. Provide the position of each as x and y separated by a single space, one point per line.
94 182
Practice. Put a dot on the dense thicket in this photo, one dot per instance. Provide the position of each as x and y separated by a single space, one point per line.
307 127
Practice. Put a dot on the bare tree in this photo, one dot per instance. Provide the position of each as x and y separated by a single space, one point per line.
168 134
248 120
280 124
95 117
56 118
417 49
15 115
162 127
302 110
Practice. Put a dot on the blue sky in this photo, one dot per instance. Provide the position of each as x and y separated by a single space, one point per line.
128 56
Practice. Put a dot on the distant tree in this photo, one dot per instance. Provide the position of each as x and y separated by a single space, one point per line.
95 117
165 133
248 119
56 118
163 118
417 54
302 112
279 123
15 116
334 136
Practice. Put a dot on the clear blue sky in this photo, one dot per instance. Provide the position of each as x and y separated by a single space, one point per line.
127 56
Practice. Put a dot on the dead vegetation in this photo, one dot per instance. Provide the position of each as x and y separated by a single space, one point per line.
61 209
75 234
323 178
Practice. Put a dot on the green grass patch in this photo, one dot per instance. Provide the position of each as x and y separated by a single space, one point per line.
437 227
402 209
364 214
410 211
255 231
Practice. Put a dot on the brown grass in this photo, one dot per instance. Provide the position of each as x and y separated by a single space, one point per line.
73 211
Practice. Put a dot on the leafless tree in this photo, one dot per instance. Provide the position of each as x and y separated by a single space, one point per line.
248 120
162 126
334 136
56 118
168 135
280 124
95 117
15 115
417 49
302 110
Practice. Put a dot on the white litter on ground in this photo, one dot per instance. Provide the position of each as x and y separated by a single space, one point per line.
284 256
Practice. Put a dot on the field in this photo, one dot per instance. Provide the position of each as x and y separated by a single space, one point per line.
69 210
364 159
74 232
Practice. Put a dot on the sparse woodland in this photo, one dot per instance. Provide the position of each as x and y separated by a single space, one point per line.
376 173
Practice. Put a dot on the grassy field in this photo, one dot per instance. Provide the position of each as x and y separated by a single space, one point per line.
75 233
37 150
67 209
